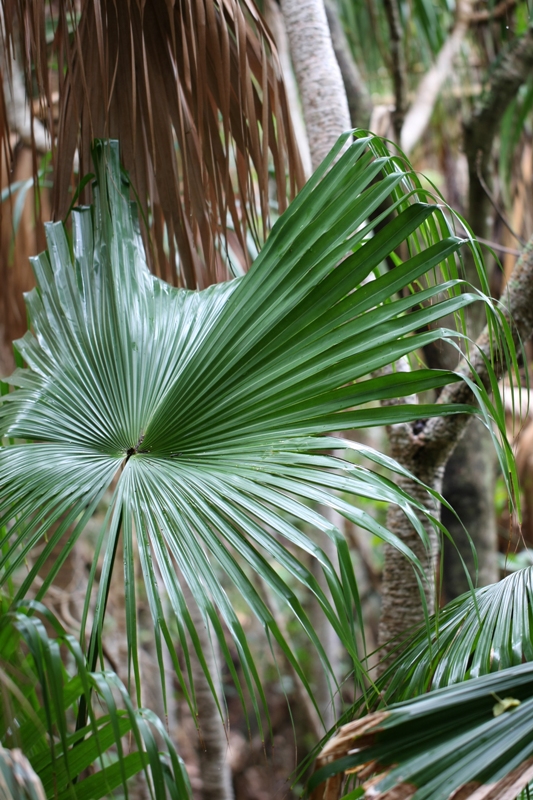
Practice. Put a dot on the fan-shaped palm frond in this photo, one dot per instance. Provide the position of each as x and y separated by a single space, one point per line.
202 411
38 710
478 633
194 91
472 741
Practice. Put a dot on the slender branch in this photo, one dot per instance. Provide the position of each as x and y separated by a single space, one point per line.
399 68
507 77
495 205
418 116
499 10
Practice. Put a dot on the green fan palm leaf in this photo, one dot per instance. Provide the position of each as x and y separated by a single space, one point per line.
201 410
481 632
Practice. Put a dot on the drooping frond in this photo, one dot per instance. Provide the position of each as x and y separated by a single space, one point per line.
478 633
194 92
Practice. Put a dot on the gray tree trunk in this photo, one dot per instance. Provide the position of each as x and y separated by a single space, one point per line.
402 598
324 103
357 94
215 771
469 488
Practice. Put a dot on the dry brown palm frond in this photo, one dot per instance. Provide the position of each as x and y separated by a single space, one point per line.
193 90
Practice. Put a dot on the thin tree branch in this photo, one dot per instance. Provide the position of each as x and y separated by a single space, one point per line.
399 68
487 15
18 110
419 114
495 205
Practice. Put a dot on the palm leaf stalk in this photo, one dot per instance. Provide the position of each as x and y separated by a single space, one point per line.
204 413
37 695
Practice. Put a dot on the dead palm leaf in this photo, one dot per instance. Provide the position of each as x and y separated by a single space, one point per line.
193 90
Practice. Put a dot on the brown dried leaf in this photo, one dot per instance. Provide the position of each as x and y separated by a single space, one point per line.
190 89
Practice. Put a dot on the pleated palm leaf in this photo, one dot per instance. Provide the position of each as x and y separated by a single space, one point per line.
480 632
204 413
38 709
195 93
477 733
469 741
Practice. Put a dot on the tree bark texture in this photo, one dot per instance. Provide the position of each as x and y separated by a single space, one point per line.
324 103
402 603
215 771
469 488
427 445
359 101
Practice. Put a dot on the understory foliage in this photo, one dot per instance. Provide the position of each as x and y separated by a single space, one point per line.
204 415
476 721
37 698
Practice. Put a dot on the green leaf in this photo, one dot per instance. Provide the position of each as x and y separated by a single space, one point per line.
194 406
435 745
35 716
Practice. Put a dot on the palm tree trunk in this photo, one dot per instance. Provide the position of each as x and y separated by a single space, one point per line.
324 102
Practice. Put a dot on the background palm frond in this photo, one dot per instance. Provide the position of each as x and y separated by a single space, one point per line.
194 90
478 633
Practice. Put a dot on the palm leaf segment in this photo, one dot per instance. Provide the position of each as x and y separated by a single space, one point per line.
471 741
479 632
202 410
